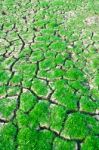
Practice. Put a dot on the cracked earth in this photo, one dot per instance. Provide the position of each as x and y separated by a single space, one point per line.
49 75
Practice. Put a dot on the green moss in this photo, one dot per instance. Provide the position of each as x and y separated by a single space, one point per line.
59 59
9 105
27 83
88 105
79 86
66 97
36 55
95 93
68 64
95 62
58 46
45 139
44 38
2 90
60 144
40 87
78 126
59 84
55 73
7 134
91 143
47 63
4 76
27 69
57 116
26 139
22 119
13 90
25 52
74 74
40 114
97 79
27 101
16 79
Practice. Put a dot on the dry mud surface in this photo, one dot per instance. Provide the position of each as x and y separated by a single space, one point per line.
49 75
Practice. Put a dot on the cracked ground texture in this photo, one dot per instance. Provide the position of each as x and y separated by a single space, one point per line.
49 75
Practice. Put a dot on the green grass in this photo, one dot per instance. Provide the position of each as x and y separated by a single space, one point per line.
49 75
